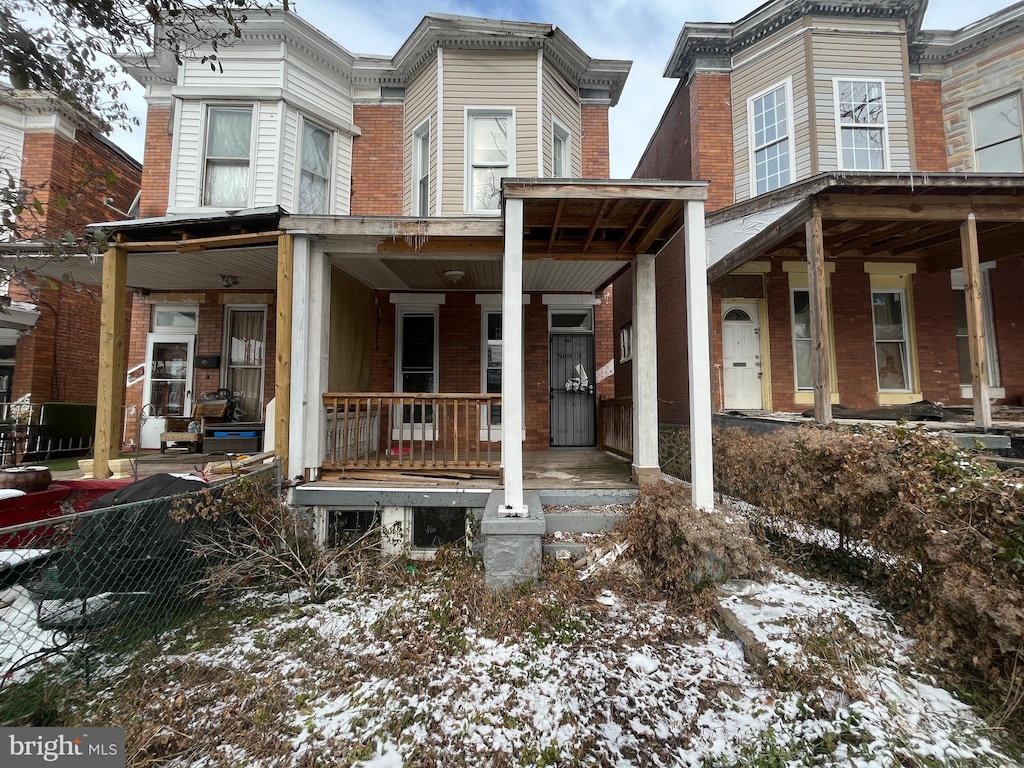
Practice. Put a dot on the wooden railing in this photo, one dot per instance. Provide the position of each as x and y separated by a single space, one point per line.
615 425
396 430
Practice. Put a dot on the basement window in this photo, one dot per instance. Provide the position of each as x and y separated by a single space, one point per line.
433 527
347 525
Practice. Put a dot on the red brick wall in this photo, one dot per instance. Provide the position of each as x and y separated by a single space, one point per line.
594 144
1008 308
711 147
377 160
70 179
929 132
156 169
606 341
668 154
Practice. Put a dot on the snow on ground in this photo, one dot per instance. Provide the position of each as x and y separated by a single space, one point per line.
392 678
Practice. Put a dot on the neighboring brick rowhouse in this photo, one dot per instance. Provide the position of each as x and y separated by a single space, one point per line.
594 144
929 132
378 160
156 169
606 339
711 141
71 180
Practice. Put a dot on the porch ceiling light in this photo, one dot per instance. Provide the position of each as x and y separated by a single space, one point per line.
454 275
229 281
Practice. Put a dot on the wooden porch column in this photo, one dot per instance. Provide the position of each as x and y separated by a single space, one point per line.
512 362
698 343
975 322
283 367
110 385
821 371
646 468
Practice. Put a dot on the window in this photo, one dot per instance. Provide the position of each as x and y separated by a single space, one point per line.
860 119
962 335
769 115
997 136
892 362
560 164
421 171
568 321
244 353
489 153
315 174
175 319
626 343
802 349
492 362
228 146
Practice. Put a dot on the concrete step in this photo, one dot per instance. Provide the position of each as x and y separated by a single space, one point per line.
588 497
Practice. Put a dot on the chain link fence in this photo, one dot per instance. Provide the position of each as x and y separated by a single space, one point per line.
84 589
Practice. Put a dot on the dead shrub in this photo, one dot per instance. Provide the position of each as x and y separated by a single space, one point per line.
946 533
681 550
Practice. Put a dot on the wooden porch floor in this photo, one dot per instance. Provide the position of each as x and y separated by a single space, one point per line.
552 469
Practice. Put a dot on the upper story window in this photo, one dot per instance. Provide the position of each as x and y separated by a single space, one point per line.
860 121
997 136
228 148
560 164
315 174
770 139
490 156
421 171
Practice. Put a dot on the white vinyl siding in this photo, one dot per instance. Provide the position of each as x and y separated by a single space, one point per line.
325 89
267 177
185 193
420 108
290 158
12 142
561 102
245 66
469 78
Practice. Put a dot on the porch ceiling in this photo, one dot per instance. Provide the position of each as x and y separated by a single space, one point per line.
882 217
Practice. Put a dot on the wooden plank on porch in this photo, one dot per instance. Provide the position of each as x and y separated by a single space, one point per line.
110 385
975 323
819 322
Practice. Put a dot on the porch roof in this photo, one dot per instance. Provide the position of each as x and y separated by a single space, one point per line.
895 217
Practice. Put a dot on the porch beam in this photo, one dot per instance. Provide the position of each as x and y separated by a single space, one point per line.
698 332
646 469
190 244
917 208
581 190
385 226
282 368
975 322
111 381
820 369
512 362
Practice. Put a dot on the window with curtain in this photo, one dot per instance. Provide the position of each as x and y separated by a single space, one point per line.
770 116
245 353
315 177
892 361
228 146
997 136
861 116
489 156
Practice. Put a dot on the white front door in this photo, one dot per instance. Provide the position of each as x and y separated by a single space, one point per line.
168 383
741 349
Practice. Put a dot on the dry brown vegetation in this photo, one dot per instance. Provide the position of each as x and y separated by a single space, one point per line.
944 534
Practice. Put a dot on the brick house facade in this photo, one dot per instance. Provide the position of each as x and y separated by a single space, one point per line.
783 64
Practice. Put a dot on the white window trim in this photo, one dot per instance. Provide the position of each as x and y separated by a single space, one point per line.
956 277
626 342
253 131
418 133
226 352
559 129
908 360
468 114
398 430
972 109
752 147
173 329
884 125
333 163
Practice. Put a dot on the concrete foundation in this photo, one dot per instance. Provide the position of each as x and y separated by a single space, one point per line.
512 545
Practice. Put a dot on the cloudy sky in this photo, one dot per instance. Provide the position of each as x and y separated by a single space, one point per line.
643 31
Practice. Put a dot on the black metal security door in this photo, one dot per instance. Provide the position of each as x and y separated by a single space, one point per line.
573 402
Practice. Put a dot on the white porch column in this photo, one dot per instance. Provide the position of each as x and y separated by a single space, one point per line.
645 372
699 351
512 361
302 285
314 444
